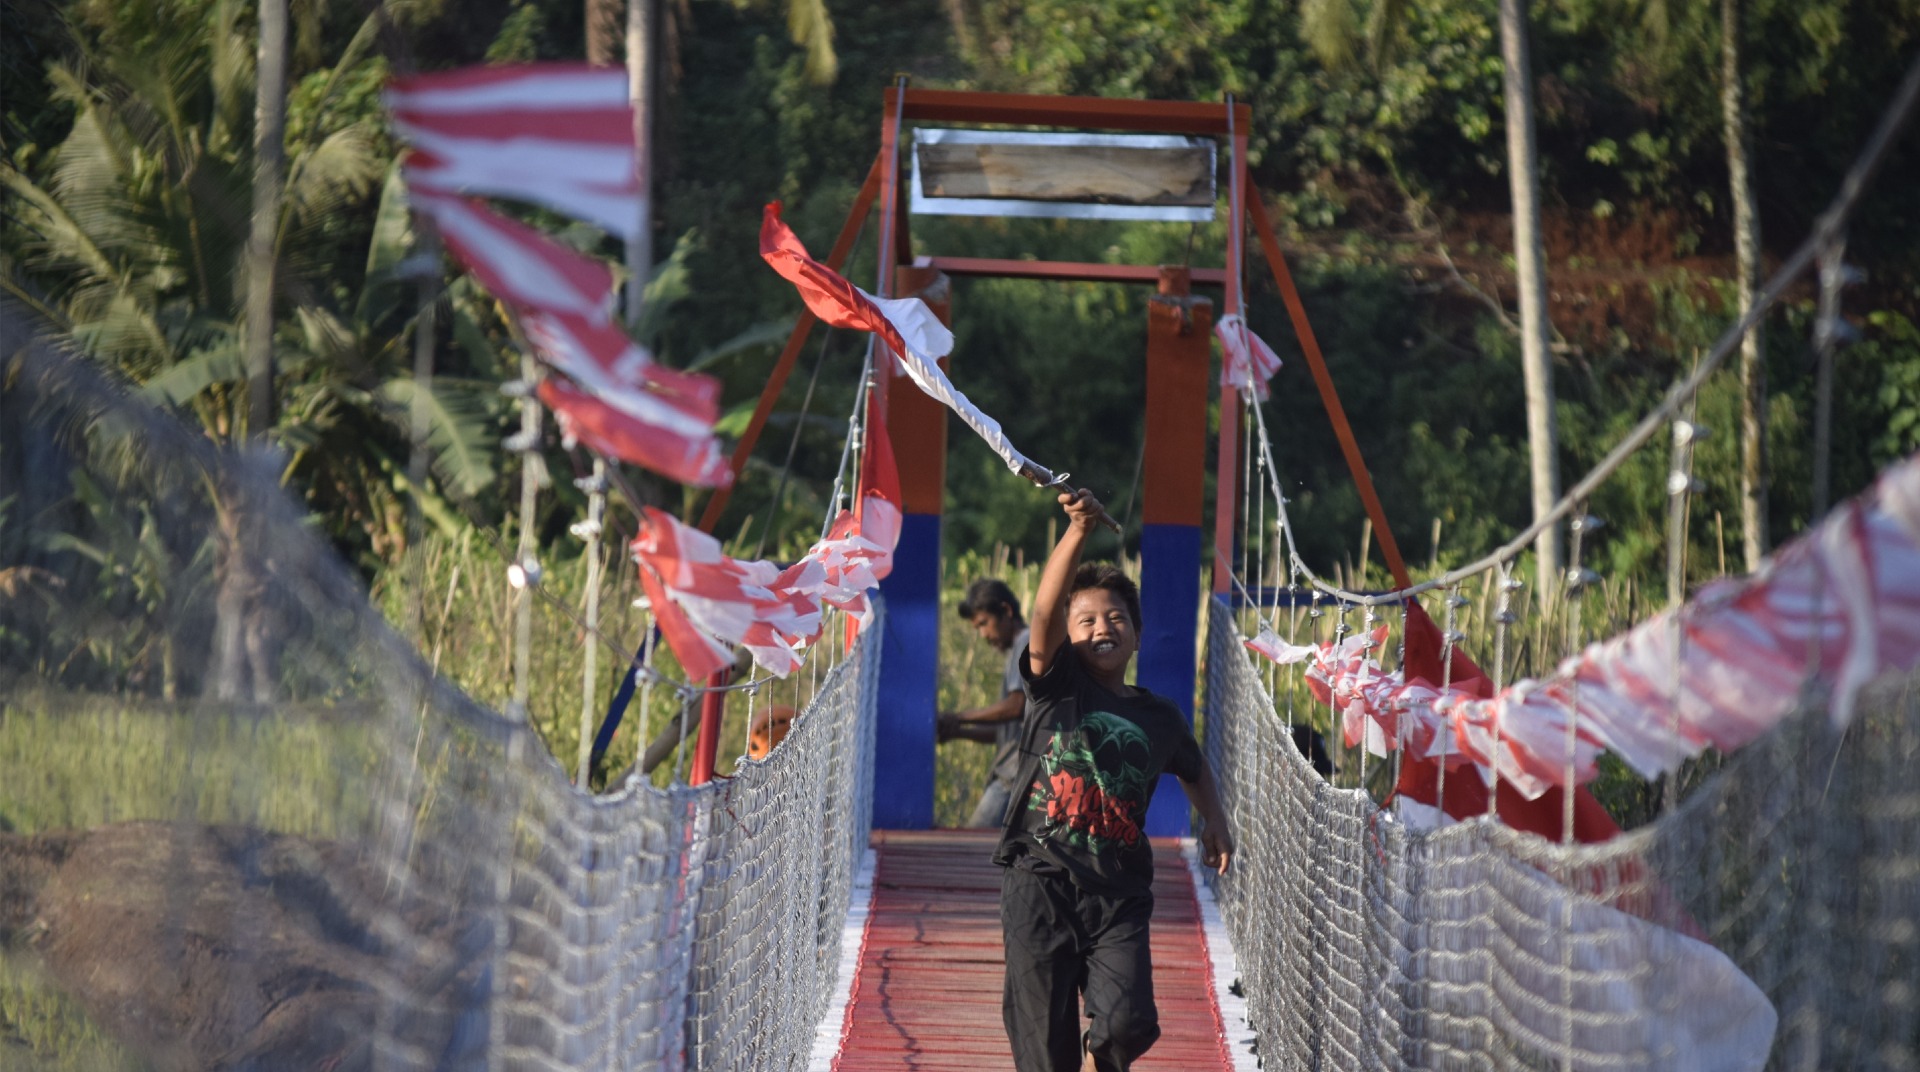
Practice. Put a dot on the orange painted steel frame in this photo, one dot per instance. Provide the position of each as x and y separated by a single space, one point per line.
1270 245
922 462
1172 499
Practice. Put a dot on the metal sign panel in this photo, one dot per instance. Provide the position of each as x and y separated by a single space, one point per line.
1063 175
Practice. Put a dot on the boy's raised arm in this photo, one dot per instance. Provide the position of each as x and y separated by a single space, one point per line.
1049 623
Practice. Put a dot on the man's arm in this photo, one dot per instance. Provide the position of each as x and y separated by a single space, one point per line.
1216 841
1049 622
982 723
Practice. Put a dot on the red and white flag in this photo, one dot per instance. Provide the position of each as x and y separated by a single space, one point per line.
621 403
614 432
1246 361
700 655
858 551
558 135
727 601
517 263
605 363
1842 601
908 328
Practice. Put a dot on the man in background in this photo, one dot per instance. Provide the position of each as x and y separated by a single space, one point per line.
993 611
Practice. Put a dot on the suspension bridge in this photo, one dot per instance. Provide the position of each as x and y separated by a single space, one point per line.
466 906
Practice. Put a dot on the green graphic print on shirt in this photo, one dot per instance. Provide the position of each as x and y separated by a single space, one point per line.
1093 784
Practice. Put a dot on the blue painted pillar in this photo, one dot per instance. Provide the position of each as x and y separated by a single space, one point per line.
1172 485
910 654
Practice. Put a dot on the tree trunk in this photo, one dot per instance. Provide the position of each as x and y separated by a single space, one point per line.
640 91
238 590
603 30
1530 267
1746 247
269 180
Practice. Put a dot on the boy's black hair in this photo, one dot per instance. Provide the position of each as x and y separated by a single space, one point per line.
988 594
1108 576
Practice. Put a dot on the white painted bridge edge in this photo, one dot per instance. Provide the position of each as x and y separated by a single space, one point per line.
831 1032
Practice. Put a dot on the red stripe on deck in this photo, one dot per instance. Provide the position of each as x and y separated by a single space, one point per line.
927 992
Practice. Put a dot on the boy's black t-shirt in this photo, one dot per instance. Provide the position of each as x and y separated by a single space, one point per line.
1089 762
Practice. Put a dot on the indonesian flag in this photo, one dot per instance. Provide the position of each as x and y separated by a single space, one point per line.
907 327
621 403
558 135
858 551
518 264
1247 362
700 655
1268 643
613 432
726 601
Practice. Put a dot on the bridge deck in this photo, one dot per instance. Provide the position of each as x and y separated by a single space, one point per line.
927 993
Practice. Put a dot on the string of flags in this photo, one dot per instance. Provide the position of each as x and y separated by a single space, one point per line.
1840 606
561 136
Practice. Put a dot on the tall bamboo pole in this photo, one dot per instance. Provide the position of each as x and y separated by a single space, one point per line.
1746 250
269 185
1529 259
640 92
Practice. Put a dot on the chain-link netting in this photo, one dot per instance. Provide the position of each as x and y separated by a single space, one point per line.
1772 919
242 826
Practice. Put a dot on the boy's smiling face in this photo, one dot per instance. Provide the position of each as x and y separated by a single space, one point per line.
1101 630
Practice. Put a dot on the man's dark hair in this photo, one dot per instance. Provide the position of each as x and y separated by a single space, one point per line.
1108 576
988 594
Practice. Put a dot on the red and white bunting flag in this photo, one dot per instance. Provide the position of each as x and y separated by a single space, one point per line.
559 135
605 363
906 326
727 600
518 264
621 403
1268 643
1246 362
1846 596
700 655
615 432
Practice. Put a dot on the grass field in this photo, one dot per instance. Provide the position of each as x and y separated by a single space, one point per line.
79 761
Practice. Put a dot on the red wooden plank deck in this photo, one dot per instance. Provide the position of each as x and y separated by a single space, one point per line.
927 996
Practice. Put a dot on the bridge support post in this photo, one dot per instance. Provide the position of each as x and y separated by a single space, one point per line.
1172 482
910 652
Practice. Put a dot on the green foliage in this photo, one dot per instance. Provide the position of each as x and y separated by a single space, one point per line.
43 1029
1893 344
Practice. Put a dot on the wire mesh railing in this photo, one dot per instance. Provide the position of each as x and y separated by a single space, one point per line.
1769 921
365 869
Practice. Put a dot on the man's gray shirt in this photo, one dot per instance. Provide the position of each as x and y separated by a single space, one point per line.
1006 755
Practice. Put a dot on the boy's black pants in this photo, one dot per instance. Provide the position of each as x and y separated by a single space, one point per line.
1063 943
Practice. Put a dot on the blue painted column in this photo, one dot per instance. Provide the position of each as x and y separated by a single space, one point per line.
910 654
1179 347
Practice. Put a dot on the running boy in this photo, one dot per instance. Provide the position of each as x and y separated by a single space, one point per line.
1076 895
